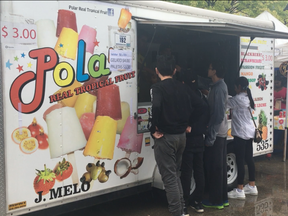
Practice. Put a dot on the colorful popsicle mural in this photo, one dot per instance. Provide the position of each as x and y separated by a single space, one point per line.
73 110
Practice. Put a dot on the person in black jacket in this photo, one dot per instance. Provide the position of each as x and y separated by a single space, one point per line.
172 107
192 159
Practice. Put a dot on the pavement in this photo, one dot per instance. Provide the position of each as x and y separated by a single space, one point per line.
271 180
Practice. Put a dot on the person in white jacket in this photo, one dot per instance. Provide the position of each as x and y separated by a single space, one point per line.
243 131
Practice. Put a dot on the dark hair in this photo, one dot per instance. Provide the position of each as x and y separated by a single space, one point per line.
244 83
165 65
190 78
219 66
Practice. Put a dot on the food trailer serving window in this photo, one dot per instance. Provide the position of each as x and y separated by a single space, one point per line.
226 32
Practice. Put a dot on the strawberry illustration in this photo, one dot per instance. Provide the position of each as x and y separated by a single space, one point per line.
63 170
44 180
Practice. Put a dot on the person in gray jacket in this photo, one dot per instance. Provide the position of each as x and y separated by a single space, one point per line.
215 139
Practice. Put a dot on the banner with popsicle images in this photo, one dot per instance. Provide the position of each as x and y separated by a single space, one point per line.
70 102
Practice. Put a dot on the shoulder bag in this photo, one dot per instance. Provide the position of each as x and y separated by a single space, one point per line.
258 133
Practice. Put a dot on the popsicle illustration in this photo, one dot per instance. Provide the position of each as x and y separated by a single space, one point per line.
108 102
125 17
87 121
65 134
125 110
94 80
88 34
129 140
66 19
66 45
46 31
70 101
84 104
101 142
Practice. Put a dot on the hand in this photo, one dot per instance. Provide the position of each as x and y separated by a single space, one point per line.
157 135
188 129
205 92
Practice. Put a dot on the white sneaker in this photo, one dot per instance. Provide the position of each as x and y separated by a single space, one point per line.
235 194
250 190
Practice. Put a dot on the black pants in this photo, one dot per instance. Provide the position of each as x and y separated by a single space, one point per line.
192 161
216 171
244 153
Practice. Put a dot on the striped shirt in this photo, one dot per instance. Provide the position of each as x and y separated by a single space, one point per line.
242 124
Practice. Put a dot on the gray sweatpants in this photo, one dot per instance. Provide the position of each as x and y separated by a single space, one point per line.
168 152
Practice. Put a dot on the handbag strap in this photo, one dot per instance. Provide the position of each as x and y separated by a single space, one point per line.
252 117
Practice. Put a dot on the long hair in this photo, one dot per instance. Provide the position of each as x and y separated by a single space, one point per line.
244 83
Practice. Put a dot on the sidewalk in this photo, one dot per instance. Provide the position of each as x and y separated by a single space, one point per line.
271 180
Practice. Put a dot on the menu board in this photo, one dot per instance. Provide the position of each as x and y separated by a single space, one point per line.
258 68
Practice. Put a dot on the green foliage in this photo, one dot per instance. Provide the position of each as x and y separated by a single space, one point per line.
262 119
243 8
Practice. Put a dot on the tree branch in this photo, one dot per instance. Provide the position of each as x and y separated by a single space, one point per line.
211 2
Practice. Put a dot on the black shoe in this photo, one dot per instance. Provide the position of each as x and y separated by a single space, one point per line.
185 212
197 206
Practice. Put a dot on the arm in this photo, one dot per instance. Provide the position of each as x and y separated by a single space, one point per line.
217 116
219 107
231 103
156 100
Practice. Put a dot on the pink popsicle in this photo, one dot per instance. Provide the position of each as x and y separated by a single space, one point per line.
129 140
66 19
88 34
108 102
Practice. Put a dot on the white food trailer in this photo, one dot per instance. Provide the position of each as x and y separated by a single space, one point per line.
70 118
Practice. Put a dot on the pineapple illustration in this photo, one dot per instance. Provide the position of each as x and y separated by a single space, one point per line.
262 126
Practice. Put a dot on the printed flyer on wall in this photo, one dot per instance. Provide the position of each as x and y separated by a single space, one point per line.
70 96
258 68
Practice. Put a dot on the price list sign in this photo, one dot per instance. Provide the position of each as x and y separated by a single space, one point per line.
18 33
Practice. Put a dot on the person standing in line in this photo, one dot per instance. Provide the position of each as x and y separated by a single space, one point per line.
171 110
243 131
215 139
192 159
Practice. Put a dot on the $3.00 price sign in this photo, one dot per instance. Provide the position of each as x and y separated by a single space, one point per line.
18 33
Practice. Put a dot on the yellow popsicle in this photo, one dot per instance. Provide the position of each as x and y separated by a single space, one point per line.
66 45
125 17
125 110
84 104
101 142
